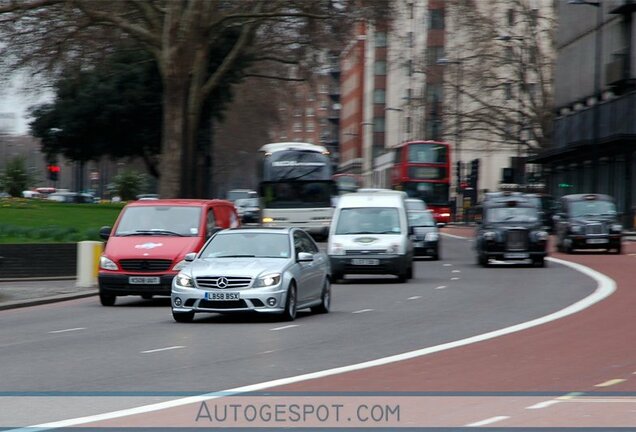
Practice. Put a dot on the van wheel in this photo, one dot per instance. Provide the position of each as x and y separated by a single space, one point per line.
336 277
482 260
183 317
325 305
107 299
538 262
289 314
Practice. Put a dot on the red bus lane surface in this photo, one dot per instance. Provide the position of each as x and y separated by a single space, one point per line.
577 371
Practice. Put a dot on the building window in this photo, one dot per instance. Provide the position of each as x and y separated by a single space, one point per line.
378 124
323 88
380 39
380 67
433 54
409 39
409 67
311 127
436 19
297 112
298 127
324 105
411 7
534 17
434 92
311 97
409 125
509 54
309 112
408 95
379 96
511 17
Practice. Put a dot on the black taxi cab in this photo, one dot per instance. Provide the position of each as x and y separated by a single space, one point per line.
587 221
509 228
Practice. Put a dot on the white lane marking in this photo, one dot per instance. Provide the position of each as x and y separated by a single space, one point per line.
456 236
456 271
363 311
606 286
441 287
414 298
448 265
545 404
610 382
267 352
163 349
284 327
488 421
67 330
455 278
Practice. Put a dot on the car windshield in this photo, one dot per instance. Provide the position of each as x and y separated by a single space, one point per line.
511 214
368 220
592 208
415 204
237 244
247 202
160 220
421 219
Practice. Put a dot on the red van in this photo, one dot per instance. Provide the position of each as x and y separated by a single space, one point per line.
146 247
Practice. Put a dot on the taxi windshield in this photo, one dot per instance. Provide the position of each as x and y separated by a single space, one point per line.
592 208
511 214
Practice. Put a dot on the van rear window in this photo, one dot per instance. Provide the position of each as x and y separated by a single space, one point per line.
368 220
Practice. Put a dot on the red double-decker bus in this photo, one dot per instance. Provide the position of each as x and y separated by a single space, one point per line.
423 170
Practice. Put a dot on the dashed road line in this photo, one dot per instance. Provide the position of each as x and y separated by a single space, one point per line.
414 298
488 421
610 382
456 271
545 404
455 236
441 287
448 265
455 278
284 327
162 349
363 311
67 330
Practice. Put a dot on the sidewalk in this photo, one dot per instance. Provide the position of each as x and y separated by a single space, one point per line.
22 293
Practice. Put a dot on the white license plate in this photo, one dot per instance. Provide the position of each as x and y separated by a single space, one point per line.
222 296
144 280
418 244
516 255
365 261
596 241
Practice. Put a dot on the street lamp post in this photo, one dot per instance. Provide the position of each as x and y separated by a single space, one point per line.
598 56
458 129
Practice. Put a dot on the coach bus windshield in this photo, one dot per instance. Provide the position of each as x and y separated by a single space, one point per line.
296 165
297 194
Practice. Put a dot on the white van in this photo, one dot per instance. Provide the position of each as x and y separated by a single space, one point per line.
369 234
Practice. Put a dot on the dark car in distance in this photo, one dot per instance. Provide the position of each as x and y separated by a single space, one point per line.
509 228
425 237
587 221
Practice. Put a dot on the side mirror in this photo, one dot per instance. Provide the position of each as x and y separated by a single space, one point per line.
213 231
104 232
441 224
190 256
305 257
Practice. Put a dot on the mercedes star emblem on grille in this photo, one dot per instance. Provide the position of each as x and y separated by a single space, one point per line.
221 282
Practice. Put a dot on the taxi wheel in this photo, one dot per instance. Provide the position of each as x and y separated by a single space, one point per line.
325 305
183 317
107 299
146 296
619 249
538 262
289 314
482 260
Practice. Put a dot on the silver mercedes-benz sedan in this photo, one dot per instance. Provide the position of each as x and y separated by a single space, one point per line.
272 270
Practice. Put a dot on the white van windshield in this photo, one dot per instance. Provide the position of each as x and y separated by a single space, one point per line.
160 220
368 220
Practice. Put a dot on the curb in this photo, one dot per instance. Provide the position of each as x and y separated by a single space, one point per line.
46 300
37 279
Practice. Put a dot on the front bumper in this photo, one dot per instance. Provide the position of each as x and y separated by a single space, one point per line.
265 300
515 255
425 248
369 264
119 284
609 241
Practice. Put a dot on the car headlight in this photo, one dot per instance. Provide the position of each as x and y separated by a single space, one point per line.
180 265
183 280
268 220
444 214
336 249
107 264
541 235
617 227
432 236
393 249
489 235
267 280
576 228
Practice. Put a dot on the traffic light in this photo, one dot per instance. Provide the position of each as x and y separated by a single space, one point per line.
458 175
54 171
474 173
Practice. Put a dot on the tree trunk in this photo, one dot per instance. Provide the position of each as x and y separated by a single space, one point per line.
174 108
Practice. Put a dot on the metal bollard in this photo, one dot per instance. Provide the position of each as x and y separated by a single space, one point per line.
88 253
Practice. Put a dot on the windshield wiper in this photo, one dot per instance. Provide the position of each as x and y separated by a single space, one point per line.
153 232
236 256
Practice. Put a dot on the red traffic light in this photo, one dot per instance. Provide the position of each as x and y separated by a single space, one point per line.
54 168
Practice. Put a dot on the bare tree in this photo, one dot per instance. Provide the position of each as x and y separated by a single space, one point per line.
49 34
506 59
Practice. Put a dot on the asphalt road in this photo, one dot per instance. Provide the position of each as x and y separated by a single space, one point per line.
80 346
